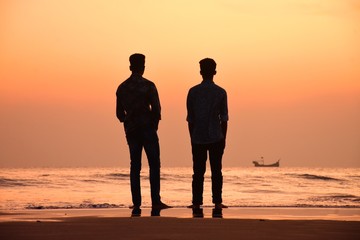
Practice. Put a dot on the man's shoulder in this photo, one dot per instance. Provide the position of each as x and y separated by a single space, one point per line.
195 88
201 87
141 83
131 81
148 82
123 85
220 89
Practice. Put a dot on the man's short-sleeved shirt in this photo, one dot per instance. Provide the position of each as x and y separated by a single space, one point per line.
206 109
138 103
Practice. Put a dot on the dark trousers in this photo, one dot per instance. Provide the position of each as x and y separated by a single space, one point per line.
199 152
148 140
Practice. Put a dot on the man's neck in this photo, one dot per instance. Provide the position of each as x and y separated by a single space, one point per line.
208 79
137 74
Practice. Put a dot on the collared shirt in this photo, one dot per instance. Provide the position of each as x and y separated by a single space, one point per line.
206 109
137 103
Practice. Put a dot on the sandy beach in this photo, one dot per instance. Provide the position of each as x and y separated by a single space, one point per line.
177 223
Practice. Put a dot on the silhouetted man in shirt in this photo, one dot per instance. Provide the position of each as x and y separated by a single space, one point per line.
207 116
138 107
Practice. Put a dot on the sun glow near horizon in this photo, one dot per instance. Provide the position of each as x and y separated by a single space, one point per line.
291 69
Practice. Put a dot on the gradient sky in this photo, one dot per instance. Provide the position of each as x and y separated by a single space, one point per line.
291 69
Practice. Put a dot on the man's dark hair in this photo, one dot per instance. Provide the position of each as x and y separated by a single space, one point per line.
207 66
137 61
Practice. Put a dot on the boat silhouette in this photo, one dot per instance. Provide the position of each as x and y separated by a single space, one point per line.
261 163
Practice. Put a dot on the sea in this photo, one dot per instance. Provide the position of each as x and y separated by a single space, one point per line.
88 188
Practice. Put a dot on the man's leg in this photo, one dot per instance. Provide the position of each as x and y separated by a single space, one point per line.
199 152
152 150
216 151
135 147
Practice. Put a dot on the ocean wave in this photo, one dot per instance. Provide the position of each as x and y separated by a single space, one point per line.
337 198
110 206
109 188
45 175
259 191
6 182
296 206
93 181
315 177
175 176
355 176
76 206
118 175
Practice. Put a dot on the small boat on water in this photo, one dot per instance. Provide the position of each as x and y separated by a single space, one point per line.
261 163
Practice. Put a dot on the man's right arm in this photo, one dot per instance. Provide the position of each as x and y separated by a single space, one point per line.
189 117
190 127
120 111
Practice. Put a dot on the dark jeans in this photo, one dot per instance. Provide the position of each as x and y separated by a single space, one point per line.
137 140
199 152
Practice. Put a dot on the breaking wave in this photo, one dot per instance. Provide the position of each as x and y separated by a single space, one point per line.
316 177
337 198
6 182
79 206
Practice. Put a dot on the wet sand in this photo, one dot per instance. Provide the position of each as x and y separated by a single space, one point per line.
238 223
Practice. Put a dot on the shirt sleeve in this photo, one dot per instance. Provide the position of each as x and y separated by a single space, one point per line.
155 102
189 104
120 111
224 116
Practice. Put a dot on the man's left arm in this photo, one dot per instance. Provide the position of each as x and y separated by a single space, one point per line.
189 117
224 128
224 116
155 105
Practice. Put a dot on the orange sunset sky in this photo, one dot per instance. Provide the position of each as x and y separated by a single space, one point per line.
291 69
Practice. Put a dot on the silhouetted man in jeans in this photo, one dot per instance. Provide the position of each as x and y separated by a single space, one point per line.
207 116
138 107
